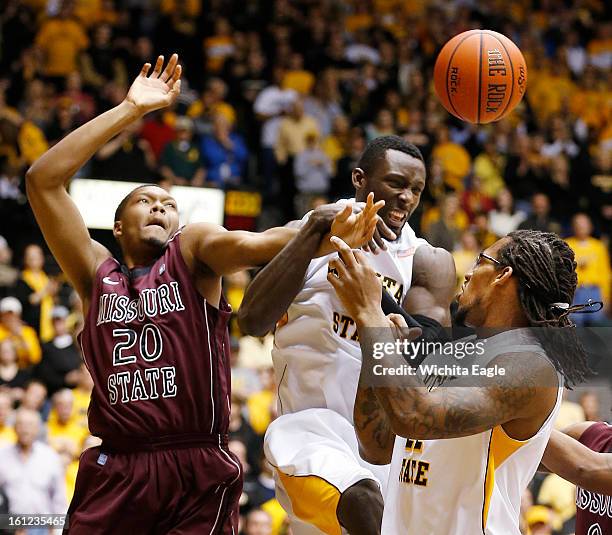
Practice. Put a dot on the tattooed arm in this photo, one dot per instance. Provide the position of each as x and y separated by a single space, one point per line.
519 400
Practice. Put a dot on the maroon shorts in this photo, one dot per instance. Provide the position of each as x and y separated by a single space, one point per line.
174 489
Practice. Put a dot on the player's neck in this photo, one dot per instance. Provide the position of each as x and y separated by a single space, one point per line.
506 317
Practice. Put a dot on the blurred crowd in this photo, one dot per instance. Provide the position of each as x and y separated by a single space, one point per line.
280 97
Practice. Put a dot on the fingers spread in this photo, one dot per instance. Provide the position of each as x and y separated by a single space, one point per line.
145 69
158 67
339 267
344 214
169 70
344 252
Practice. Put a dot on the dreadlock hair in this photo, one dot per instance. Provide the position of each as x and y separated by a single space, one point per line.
546 271
127 198
380 145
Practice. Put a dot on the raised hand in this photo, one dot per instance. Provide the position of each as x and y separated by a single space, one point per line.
157 90
357 229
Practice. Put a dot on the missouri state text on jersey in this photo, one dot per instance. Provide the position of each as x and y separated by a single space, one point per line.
157 350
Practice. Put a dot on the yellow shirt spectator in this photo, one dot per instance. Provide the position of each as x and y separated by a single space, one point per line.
561 496
197 109
292 134
72 430
277 514
300 81
259 406
81 404
593 264
455 162
32 142
61 40
27 344
488 167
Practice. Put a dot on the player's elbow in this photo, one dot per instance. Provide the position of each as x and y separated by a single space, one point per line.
376 456
251 322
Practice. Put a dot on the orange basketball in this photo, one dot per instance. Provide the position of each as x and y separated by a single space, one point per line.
480 76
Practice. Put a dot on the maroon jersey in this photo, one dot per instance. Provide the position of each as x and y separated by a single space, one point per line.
594 511
157 351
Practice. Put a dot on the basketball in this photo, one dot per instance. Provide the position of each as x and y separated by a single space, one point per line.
480 76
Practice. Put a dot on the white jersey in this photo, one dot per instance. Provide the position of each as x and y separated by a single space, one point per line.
317 358
470 484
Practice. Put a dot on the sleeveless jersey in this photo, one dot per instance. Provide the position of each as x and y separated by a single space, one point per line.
471 484
593 510
158 353
316 354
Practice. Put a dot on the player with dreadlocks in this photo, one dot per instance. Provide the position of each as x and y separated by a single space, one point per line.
494 408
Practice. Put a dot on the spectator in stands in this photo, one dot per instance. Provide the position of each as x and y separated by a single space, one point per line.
258 522
292 132
99 63
594 272
540 215
63 426
454 158
82 395
240 429
504 218
59 367
8 273
384 125
296 77
36 291
126 157
445 231
474 200
336 144
312 169
35 397
211 103
30 471
157 131
11 376
224 154
60 40
23 336
539 520
489 167
464 255
481 230
220 46
7 430
181 163
341 185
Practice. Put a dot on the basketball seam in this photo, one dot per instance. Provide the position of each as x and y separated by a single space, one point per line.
479 78
511 70
450 60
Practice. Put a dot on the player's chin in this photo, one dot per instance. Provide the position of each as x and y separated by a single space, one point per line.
155 237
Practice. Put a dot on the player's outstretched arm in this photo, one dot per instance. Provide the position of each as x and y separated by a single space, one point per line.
576 463
446 412
274 288
60 221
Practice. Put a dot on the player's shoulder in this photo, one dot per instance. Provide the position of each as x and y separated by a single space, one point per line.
198 233
434 264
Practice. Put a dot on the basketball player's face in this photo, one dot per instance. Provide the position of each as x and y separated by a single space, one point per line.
150 218
399 180
478 289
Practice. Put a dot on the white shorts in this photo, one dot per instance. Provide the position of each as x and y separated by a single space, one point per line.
316 456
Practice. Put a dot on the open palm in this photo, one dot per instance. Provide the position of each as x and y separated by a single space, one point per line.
157 90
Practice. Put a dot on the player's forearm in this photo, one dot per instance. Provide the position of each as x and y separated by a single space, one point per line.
56 166
274 288
402 397
372 427
578 464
